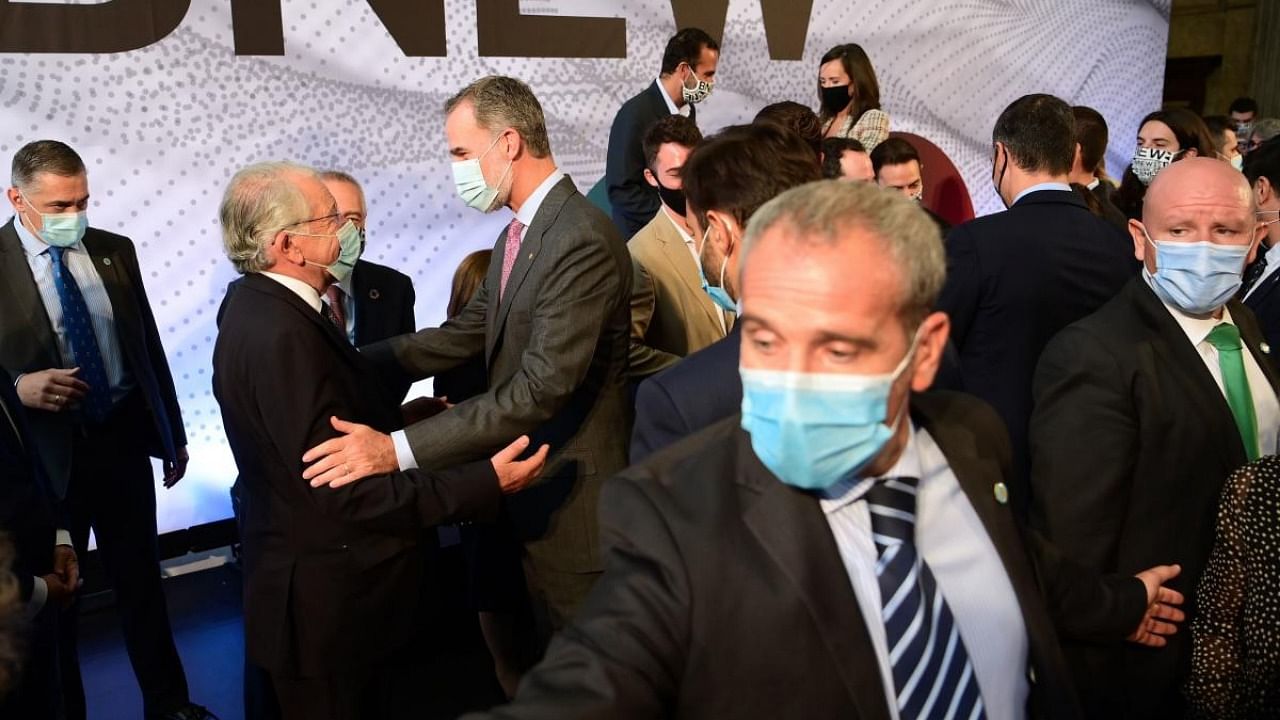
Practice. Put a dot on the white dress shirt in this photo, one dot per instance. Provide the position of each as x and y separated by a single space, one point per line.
952 540
308 294
1095 182
525 215
692 246
1038 187
1266 407
101 314
671 104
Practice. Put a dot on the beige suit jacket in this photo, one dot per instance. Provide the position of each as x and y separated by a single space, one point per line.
671 316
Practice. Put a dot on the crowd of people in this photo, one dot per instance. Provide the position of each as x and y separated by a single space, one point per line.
768 437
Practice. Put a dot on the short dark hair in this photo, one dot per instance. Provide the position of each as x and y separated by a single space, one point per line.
501 102
1264 161
893 151
861 75
1091 135
1243 105
686 47
1187 127
1218 125
797 118
742 167
1039 133
833 150
676 129
44 156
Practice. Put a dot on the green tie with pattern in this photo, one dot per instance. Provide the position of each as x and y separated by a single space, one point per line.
1226 337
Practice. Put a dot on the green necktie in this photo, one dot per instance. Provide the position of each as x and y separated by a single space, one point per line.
1226 337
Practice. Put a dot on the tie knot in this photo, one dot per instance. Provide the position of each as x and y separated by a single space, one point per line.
514 229
56 253
1225 336
334 294
892 503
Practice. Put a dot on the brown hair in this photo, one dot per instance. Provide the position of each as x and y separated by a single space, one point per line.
467 279
676 129
795 117
861 75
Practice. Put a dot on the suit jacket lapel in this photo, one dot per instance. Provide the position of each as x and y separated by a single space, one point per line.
789 524
123 308
15 273
1251 334
677 253
268 286
530 246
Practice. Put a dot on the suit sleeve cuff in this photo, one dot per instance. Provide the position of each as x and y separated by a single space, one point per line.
39 596
404 453
62 537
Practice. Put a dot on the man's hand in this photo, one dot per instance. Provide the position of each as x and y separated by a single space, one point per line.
61 594
52 390
1161 614
419 409
360 452
66 565
175 470
514 475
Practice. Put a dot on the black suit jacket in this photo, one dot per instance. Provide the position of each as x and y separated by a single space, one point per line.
1131 443
384 301
27 344
333 578
688 396
1014 279
1110 211
725 595
632 200
1264 301
26 504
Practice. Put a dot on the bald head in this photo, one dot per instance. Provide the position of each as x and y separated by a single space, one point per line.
1196 180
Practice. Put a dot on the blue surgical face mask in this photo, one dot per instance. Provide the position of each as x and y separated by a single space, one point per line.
474 190
349 246
813 430
718 295
60 229
1197 277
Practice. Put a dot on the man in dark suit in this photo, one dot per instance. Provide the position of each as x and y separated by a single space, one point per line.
333 578
552 322
1260 294
828 559
1144 408
44 562
1087 168
687 76
90 368
1014 279
726 179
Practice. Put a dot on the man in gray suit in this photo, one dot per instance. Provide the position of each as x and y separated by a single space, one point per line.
551 321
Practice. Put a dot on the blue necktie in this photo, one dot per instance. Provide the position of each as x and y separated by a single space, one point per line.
931 670
78 326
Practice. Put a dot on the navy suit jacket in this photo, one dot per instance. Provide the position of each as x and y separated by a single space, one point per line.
631 199
384 301
1016 278
693 394
1264 301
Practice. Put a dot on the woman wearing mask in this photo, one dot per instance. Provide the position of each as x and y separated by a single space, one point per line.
850 97
1164 137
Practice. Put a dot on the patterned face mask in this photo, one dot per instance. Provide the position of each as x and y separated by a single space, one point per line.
1149 161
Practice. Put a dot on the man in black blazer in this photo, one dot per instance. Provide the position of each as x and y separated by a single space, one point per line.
1262 170
726 179
552 323
81 340
742 583
333 578
1014 279
687 75
1133 433
44 562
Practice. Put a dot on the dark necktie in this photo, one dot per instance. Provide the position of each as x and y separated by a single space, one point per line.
337 309
78 325
932 674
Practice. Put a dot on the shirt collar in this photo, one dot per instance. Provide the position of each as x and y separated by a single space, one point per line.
688 239
34 245
851 490
299 288
671 104
1196 328
347 282
1041 186
529 209
1094 183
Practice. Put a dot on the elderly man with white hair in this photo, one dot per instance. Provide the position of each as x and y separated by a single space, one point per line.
333 577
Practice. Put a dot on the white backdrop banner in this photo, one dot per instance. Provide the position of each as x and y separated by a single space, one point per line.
166 99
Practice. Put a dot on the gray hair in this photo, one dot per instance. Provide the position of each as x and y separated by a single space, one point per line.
824 212
44 156
1266 128
504 102
260 200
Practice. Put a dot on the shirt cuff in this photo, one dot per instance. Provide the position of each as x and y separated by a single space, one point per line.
39 596
404 453
62 537
16 379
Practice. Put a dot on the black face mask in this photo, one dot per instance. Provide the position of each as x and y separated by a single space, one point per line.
835 99
673 199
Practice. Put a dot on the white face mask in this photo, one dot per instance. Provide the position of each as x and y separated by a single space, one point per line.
698 92
1147 162
1237 162
474 190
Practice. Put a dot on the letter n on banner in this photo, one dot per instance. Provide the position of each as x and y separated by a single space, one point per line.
107 27
503 32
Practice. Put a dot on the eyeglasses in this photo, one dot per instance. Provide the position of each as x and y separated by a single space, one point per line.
310 220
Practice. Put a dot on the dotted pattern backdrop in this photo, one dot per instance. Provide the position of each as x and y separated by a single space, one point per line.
163 128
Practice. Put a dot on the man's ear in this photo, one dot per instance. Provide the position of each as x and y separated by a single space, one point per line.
933 333
649 178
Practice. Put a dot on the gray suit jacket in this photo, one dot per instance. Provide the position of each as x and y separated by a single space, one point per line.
556 351
27 345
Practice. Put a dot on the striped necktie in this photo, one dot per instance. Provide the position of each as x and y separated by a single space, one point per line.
932 674
78 325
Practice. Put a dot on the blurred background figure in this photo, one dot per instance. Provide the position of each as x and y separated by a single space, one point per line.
798 119
1243 113
1164 137
897 167
1089 167
849 97
1262 170
1223 133
846 159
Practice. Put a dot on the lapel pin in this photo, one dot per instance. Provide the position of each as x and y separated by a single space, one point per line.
1002 493
1265 348
107 261
374 294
